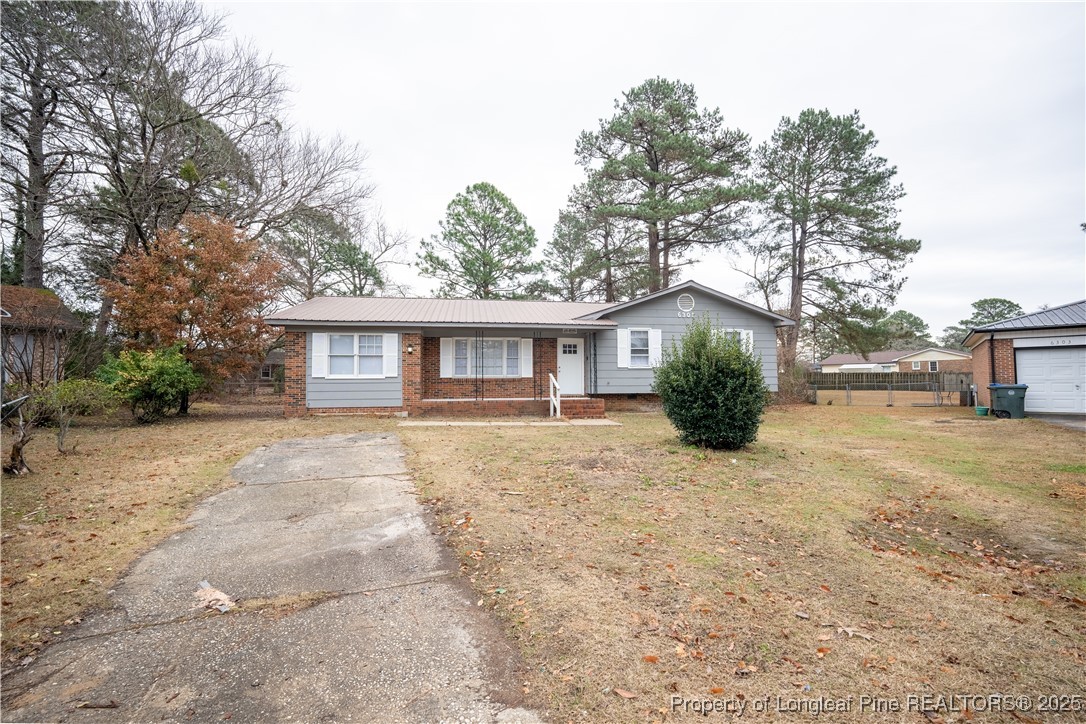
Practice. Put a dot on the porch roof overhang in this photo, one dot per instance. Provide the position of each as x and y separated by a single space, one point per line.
572 327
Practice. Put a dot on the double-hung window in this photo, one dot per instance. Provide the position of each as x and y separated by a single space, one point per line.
639 348
916 366
355 355
500 357
933 365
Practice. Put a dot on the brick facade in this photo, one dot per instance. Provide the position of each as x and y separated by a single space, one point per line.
436 387
639 402
945 365
425 392
294 375
1005 372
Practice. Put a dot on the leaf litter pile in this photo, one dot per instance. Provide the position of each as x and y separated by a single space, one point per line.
847 552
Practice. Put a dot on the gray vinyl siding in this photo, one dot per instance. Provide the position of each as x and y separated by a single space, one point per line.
322 392
663 313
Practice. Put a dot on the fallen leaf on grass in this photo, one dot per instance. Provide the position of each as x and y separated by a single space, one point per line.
854 632
626 694
822 651
825 588
744 670
716 690
801 614
650 659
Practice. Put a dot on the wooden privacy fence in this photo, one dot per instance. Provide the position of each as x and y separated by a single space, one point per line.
913 389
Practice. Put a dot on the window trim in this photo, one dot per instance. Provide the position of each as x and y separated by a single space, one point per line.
648 348
356 356
474 356
916 365
933 365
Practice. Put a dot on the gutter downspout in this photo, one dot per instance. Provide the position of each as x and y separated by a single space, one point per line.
991 358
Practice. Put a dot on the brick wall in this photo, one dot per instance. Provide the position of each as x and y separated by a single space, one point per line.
411 369
294 375
481 408
1005 372
945 365
436 387
640 402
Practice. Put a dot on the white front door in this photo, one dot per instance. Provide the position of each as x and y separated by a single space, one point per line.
571 366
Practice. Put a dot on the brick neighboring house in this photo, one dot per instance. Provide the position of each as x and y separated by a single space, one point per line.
1045 350
930 359
488 357
34 330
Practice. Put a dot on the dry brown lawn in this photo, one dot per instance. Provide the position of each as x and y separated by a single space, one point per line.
850 552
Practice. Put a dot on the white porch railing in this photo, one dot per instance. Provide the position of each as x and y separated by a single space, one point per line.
556 397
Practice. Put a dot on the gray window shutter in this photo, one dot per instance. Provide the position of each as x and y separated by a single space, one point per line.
623 348
446 357
320 354
656 344
390 350
526 358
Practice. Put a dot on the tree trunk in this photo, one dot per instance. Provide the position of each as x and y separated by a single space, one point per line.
36 181
184 408
654 257
608 267
105 315
795 301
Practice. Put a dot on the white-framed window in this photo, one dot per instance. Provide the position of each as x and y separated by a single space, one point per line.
916 366
745 336
361 355
355 355
887 368
639 348
487 357
933 365
265 372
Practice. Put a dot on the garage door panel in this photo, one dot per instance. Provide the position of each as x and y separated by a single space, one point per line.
1056 379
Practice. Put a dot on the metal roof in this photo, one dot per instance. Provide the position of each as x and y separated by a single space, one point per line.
1067 315
387 311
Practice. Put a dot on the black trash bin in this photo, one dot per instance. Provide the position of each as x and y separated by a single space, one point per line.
1008 401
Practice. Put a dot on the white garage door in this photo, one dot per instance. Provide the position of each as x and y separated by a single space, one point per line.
1056 379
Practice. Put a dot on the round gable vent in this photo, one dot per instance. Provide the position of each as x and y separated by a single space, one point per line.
686 302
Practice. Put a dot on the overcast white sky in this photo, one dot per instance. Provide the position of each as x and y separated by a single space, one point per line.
982 108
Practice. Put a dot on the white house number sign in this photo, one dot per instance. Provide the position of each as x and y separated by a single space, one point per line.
686 305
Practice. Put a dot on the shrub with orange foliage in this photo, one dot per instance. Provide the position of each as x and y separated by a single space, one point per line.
204 284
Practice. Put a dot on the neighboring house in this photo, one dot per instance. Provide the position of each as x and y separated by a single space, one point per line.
490 357
34 330
273 363
931 359
1045 350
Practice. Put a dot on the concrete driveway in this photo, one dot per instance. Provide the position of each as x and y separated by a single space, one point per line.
343 607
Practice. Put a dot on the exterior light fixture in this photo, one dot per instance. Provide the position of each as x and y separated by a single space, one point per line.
410 348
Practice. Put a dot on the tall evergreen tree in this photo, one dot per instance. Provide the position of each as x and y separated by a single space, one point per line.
484 250
832 245
681 172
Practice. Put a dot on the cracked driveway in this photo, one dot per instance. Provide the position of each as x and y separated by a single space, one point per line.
349 609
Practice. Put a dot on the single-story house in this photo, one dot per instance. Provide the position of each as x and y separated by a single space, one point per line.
1045 350
34 329
496 357
930 359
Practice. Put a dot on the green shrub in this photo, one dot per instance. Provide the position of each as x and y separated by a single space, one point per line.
712 388
71 398
153 383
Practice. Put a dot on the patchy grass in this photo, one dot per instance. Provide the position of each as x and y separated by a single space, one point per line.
887 552
73 527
